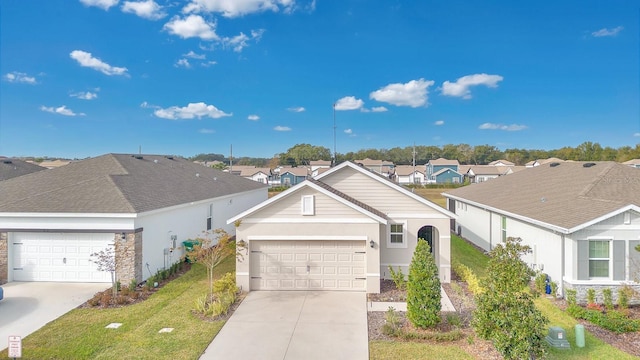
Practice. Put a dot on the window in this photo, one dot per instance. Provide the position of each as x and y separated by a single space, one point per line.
598 258
397 235
308 205
210 217
504 229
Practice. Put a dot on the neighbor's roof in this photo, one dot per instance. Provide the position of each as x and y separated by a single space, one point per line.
632 162
445 170
297 171
443 161
118 183
10 168
371 162
489 170
501 162
567 196
405 170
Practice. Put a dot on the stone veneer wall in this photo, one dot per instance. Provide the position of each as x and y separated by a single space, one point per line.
581 292
128 258
4 257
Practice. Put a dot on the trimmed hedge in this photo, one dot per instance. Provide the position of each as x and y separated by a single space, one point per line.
468 276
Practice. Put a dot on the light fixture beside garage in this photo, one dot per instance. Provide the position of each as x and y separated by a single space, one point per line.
372 244
123 236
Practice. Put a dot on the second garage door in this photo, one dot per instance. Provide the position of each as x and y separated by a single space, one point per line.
308 265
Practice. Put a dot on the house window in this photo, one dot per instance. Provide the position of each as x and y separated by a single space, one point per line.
599 258
397 235
308 205
210 217
287 181
504 229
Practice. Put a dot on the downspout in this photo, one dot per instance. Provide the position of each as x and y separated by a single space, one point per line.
490 230
562 263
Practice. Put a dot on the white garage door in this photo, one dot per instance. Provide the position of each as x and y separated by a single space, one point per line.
58 257
308 265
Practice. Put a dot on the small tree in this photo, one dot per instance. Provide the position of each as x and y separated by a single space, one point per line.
423 288
210 255
106 261
505 312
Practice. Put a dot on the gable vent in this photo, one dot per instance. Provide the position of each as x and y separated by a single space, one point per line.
588 165
554 164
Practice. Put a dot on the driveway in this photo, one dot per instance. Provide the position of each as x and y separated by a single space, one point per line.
27 306
288 325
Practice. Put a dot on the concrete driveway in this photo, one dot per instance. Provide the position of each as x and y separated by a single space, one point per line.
27 306
288 325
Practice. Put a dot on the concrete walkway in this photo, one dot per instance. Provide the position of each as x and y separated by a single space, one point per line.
445 303
28 306
292 325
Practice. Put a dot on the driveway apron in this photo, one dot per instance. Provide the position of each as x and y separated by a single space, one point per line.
291 325
28 306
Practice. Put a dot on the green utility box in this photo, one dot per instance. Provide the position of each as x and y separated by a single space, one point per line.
189 245
557 338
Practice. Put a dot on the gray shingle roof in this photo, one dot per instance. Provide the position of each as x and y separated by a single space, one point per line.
10 168
567 195
118 183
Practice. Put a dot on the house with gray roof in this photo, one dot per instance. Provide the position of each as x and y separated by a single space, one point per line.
145 205
409 174
633 163
10 168
581 220
443 170
341 230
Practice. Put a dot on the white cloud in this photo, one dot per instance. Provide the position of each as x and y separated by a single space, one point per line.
192 26
19 77
208 63
192 110
62 110
637 134
512 127
439 122
206 131
182 63
87 60
460 88
414 93
607 32
240 41
235 8
282 128
103 4
86 95
193 55
148 9
297 109
253 117
348 103
348 131
379 109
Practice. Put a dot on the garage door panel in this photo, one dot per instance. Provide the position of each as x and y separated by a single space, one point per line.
308 265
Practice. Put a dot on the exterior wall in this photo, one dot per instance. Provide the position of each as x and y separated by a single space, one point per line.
291 179
474 224
187 222
448 177
128 254
581 292
4 257
309 231
66 221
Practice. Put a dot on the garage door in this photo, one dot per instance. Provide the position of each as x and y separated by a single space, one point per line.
308 265
58 257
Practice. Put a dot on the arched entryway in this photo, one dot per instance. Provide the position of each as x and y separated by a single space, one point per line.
428 233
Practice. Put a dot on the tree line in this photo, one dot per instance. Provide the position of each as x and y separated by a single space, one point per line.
302 154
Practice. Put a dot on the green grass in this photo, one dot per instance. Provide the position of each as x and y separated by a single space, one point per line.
382 350
465 253
81 333
434 195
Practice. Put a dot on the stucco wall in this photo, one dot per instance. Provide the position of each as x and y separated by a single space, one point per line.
4 257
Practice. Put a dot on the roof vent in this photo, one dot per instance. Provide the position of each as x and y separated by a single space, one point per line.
554 164
155 161
588 165
197 174
139 157
7 161
169 157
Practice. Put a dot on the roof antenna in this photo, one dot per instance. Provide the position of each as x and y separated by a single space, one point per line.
139 149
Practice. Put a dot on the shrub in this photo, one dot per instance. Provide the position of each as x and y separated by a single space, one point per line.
423 288
392 324
607 299
613 320
554 289
227 283
121 300
624 294
105 299
591 296
469 277
95 300
571 296
398 278
133 284
540 283
454 320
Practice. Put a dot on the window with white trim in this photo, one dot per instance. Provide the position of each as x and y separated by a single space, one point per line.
308 205
504 228
397 235
599 258
210 217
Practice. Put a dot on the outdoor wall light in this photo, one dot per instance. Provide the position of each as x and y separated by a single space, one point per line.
123 236
372 244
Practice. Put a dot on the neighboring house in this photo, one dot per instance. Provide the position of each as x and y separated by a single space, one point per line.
52 164
339 231
261 175
316 165
501 162
581 220
10 168
482 173
534 163
633 163
385 168
447 176
290 176
409 174
51 221
239 169
436 166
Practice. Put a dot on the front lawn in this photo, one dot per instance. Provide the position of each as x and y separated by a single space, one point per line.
387 350
81 333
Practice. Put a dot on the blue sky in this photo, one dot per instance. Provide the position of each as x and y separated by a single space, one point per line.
82 78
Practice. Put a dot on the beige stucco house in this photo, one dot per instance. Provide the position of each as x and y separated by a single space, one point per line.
338 231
